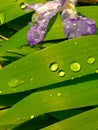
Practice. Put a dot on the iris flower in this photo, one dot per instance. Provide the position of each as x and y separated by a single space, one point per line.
75 25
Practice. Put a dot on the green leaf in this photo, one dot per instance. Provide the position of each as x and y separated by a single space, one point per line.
11 9
63 97
85 121
34 71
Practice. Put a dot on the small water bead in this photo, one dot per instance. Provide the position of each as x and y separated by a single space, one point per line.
90 60
15 82
59 94
51 95
0 92
74 24
75 43
61 73
72 34
72 78
31 79
54 67
75 66
19 118
32 116
36 35
2 18
96 71
22 5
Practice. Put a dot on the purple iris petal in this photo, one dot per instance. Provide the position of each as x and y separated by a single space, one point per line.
74 25
37 32
33 6
78 26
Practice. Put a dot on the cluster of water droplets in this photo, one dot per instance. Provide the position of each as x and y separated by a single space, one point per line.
75 66
54 67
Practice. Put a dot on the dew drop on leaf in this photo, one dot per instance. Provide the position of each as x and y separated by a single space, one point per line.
90 60
0 92
15 82
19 118
22 6
75 66
31 79
59 94
32 116
54 67
96 71
72 78
2 18
61 73
72 34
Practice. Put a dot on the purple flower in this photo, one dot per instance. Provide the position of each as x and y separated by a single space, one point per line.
74 25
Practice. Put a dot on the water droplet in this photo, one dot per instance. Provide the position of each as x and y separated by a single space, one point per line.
50 95
89 29
72 34
90 60
75 43
22 5
96 71
36 35
74 24
0 92
61 73
75 66
19 118
15 82
72 78
67 26
15 0
2 18
59 94
78 29
31 79
54 67
32 116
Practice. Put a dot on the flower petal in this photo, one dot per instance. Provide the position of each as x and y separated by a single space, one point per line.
37 32
78 26
33 6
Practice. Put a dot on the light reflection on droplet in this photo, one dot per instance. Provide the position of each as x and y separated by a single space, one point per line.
0 92
61 73
59 94
90 60
31 79
75 66
22 5
32 116
96 71
54 67
75 43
